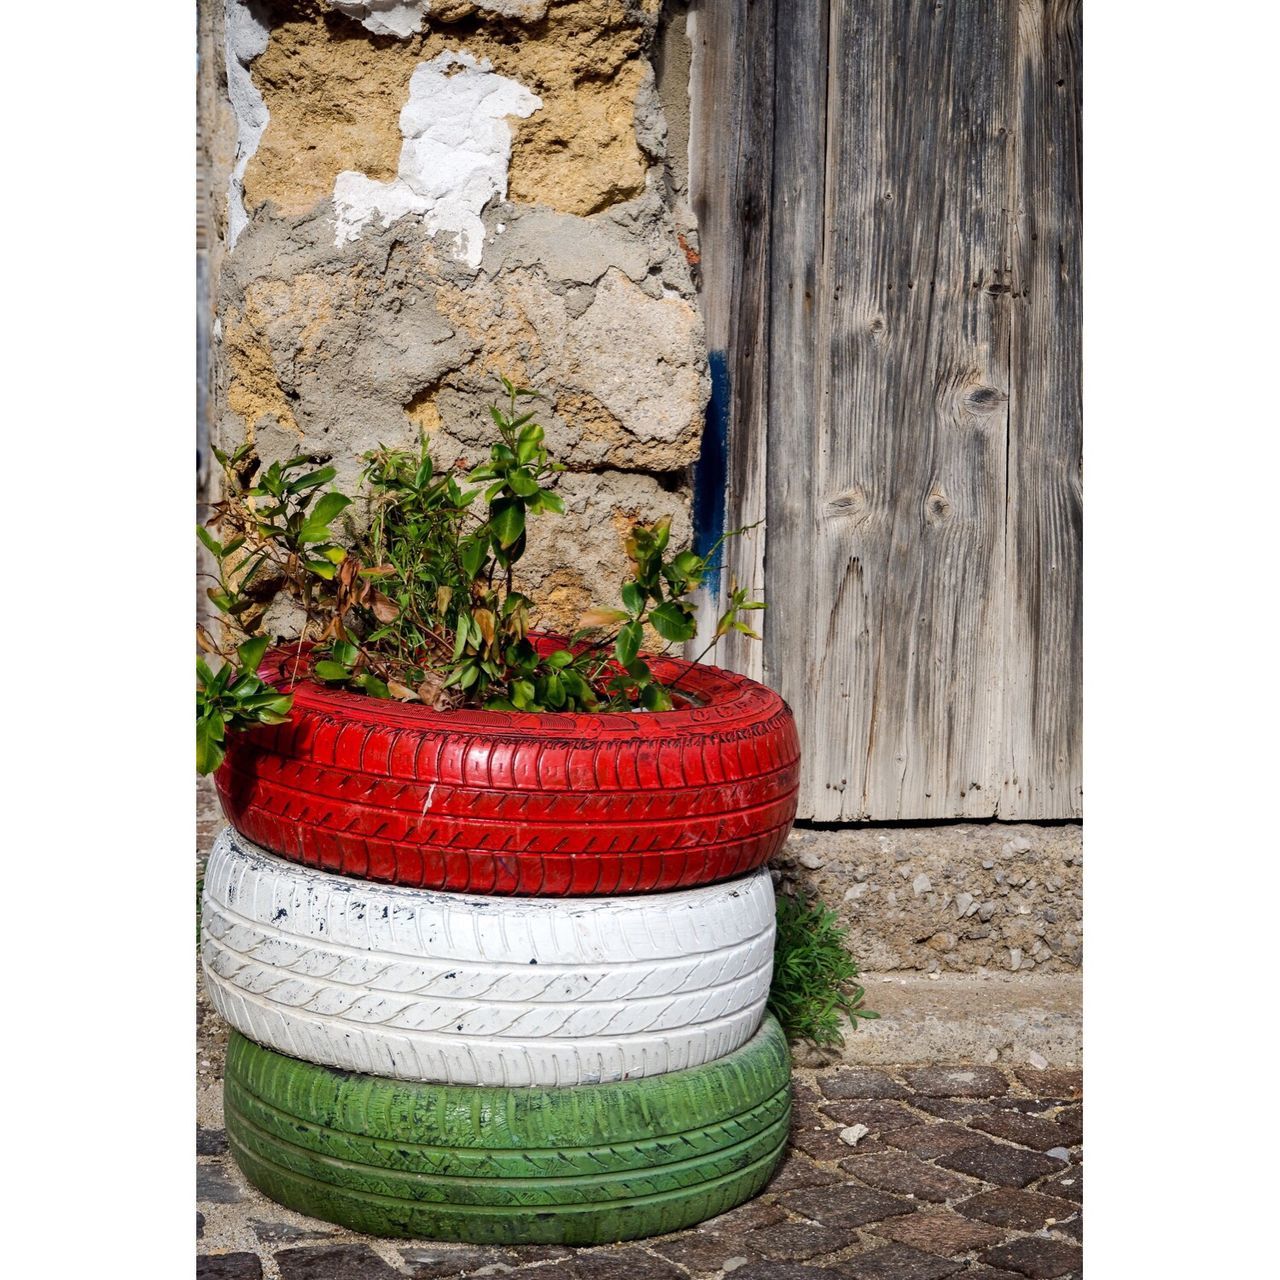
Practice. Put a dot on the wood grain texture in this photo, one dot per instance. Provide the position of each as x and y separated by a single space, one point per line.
922 438
796 286
1043 666
909 480
731 93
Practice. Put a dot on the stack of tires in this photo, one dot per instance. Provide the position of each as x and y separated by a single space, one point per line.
501 977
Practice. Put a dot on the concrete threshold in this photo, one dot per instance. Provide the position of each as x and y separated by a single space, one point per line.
1032 1019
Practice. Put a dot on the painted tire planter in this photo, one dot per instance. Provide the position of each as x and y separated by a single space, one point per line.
583 1165
497 802
418 985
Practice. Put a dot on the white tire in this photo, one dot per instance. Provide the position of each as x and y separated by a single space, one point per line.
462 989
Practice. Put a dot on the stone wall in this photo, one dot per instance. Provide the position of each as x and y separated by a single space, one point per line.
984 897
412 198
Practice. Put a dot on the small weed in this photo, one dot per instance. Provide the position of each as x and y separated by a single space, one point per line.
813 974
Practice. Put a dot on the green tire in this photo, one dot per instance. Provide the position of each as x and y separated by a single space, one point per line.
589 1164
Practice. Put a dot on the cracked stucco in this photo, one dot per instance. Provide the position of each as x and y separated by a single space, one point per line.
487 193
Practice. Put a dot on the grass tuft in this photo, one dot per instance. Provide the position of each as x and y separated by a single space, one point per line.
814 987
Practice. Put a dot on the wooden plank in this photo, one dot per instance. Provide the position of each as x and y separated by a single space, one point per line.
797 281
730 176
1043 669
908 451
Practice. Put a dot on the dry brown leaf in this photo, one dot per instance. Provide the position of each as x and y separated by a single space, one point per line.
602 618
384 608
485 621
430 689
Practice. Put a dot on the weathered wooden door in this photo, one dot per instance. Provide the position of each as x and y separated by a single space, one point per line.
893 272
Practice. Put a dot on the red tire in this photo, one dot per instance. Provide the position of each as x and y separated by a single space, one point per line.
516 802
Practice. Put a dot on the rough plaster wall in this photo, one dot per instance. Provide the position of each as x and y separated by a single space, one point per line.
340 327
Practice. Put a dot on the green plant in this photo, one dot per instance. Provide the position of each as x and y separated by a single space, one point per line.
813 974
233 697
417 602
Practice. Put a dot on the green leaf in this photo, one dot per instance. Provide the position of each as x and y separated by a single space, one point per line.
473 554
326 670
632 599
209 750
528 443
655 698
312 479
251 652
463 633
688 564
523 484
577 688
673 621
551 501
344 651
506 518
277 710
554 696
316 526
370 683
209 540
560 659
627 645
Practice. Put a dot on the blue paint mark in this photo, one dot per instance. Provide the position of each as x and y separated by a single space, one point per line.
711 471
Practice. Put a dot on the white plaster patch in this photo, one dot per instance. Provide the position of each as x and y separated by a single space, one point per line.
247 33
399 18
404 18
455 155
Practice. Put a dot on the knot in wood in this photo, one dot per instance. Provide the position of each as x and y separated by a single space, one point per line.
852 503
938 508
984 399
